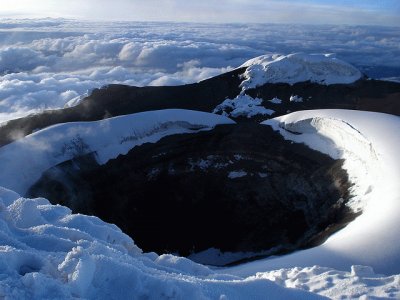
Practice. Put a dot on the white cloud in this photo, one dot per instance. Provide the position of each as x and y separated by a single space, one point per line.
46 63
17 59
130 52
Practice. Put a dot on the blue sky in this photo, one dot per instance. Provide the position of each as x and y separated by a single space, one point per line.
378 12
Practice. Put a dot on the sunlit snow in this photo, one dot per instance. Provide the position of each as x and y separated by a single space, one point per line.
298 67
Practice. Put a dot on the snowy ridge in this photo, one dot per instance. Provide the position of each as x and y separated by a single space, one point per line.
24 160
367 143
332 136
298 67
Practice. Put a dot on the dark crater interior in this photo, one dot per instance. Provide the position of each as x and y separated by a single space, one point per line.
235 188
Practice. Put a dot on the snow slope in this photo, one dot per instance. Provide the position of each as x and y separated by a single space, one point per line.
298 67
23 161
369 143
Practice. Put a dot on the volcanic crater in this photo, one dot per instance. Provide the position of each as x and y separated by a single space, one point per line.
236 188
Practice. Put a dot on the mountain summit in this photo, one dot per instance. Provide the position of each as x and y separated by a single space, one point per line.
298 67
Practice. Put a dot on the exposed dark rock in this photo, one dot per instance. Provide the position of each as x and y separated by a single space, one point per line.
369 95
237 188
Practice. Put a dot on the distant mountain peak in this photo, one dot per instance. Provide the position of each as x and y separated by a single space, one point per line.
298 67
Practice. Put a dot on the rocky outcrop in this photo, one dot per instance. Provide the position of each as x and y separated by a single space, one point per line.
368 95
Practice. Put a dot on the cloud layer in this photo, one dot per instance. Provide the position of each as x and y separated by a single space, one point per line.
46 63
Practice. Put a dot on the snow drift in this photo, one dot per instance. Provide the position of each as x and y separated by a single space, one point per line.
48 253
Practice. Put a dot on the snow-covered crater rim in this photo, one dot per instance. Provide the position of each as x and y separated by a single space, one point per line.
340 140
24 160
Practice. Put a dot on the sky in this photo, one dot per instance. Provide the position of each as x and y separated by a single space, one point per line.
352 12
